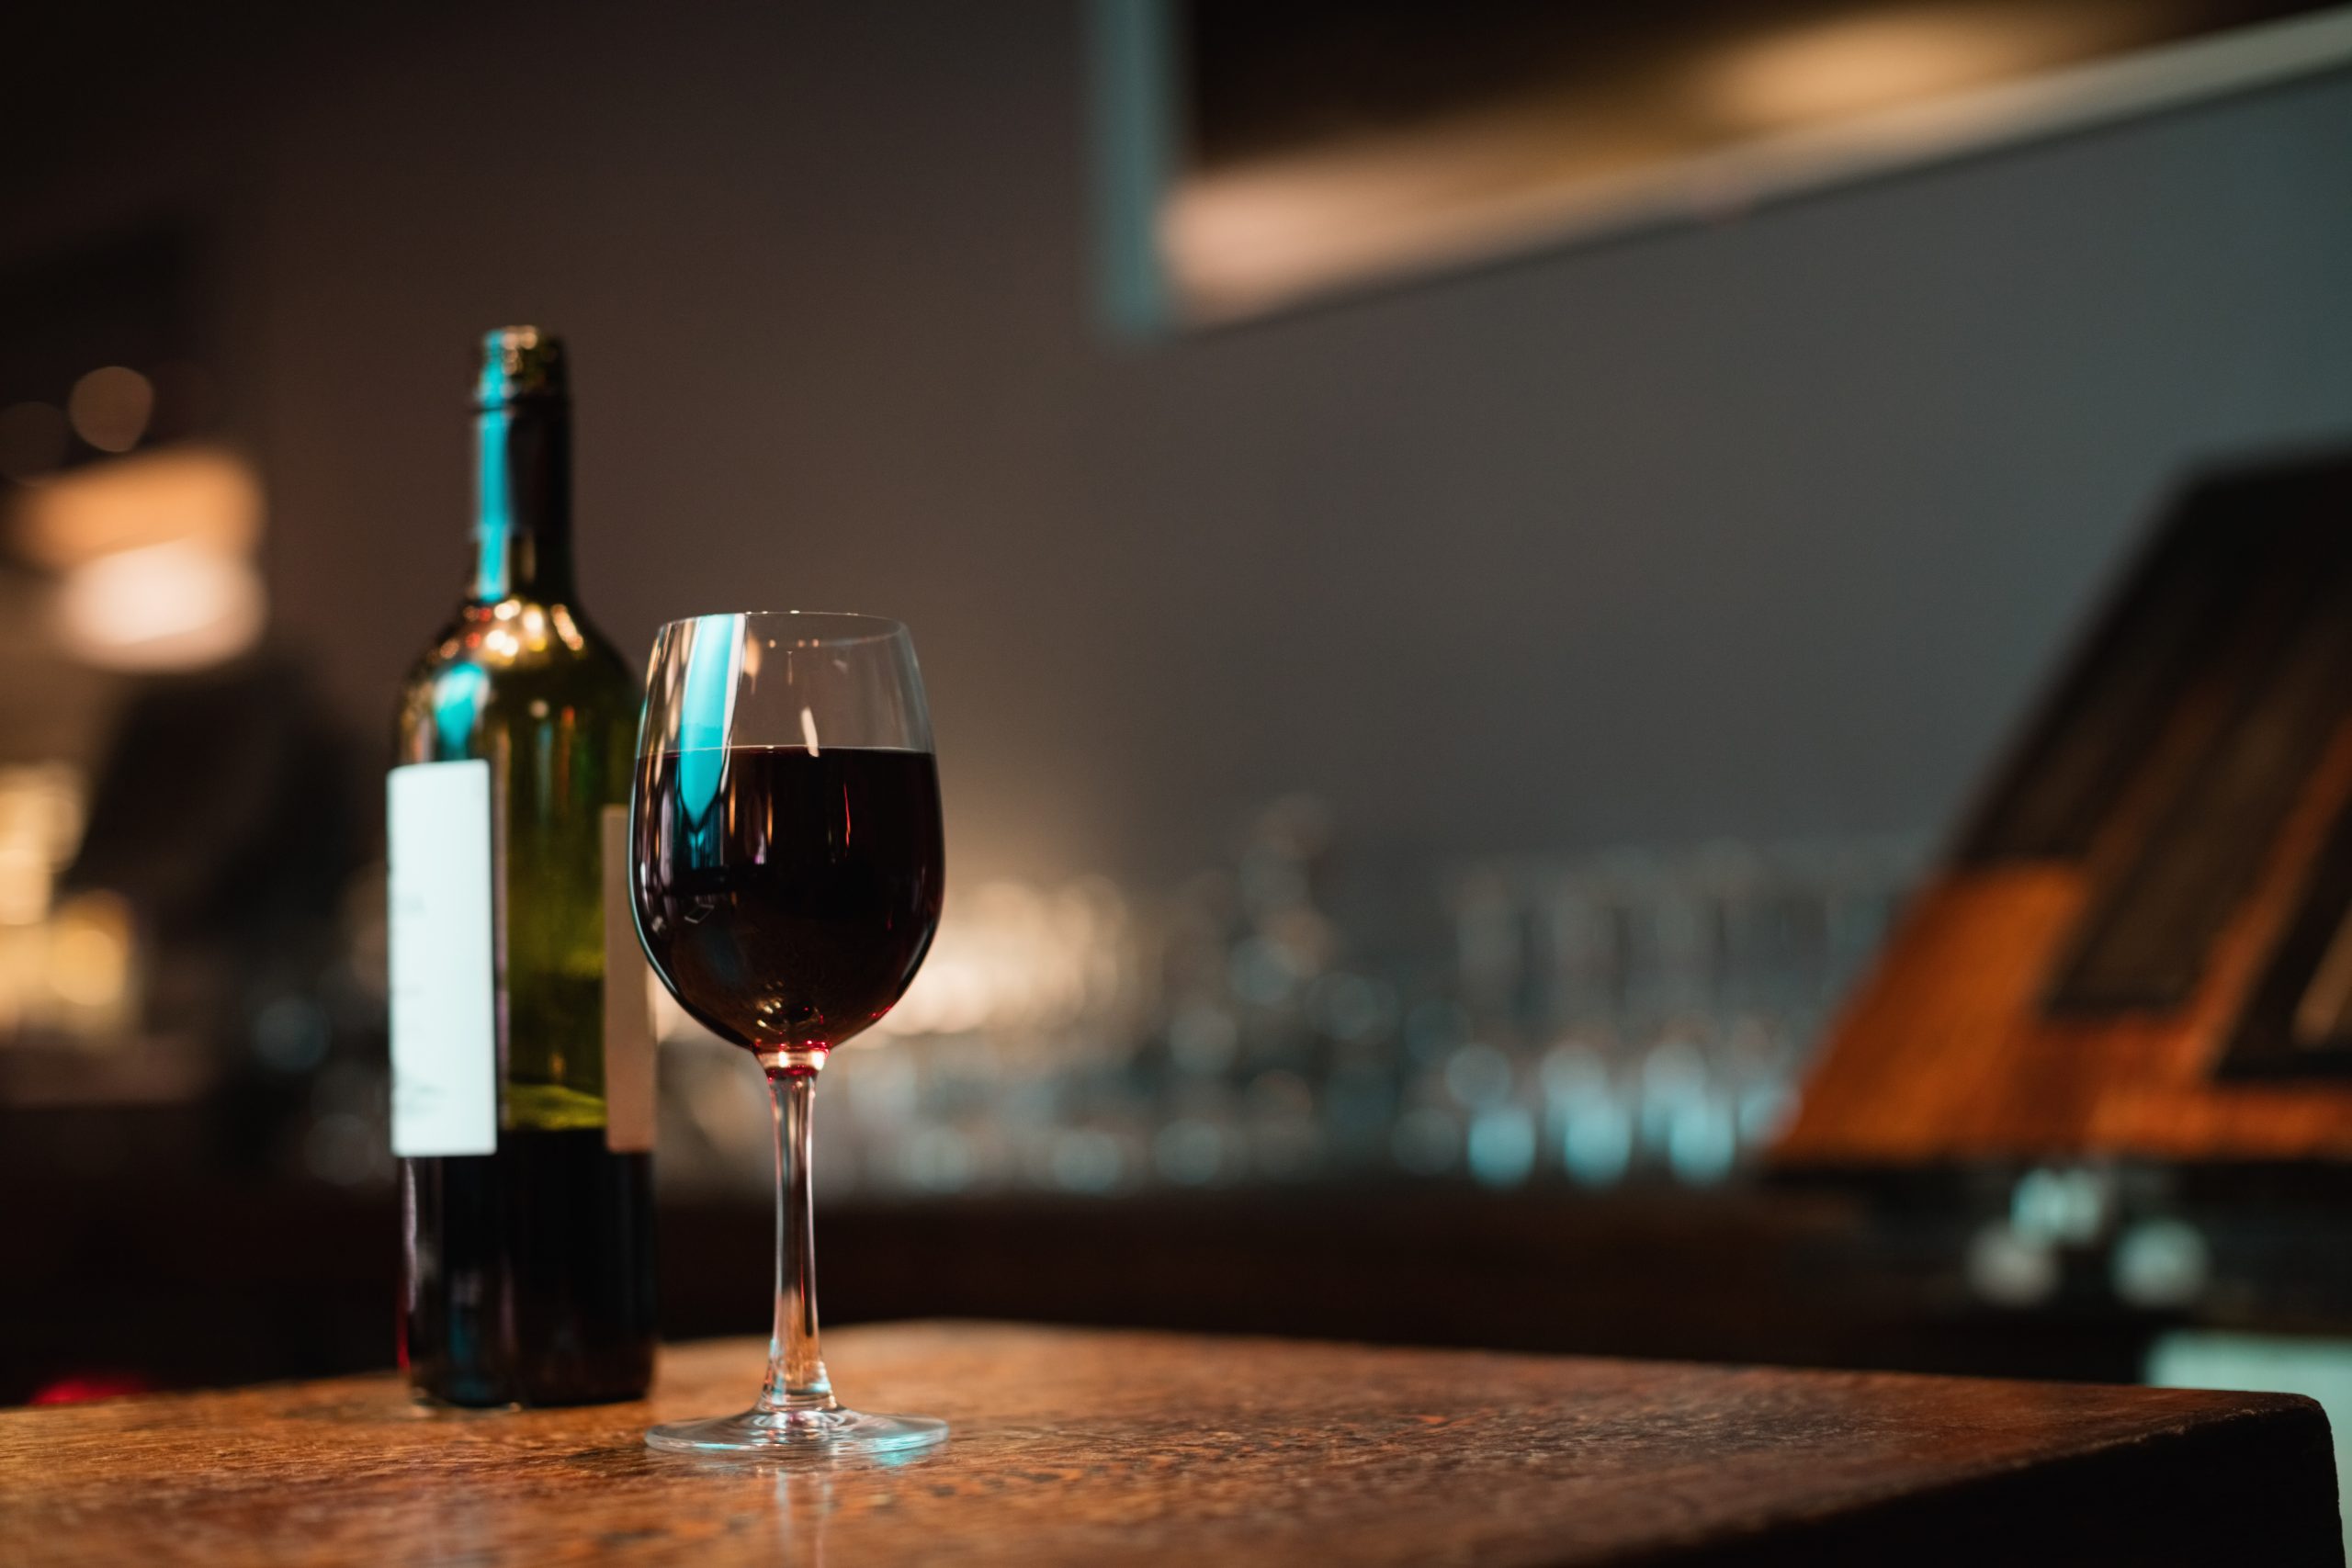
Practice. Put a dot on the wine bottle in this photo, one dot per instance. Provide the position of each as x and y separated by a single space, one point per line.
521 1055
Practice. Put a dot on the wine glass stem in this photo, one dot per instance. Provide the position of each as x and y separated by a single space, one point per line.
796 1368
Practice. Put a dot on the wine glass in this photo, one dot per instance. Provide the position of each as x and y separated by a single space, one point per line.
785 866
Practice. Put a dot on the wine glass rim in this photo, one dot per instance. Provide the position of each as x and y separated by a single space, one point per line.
856 626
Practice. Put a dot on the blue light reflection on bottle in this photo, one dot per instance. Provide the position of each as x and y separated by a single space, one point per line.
458 694
494 511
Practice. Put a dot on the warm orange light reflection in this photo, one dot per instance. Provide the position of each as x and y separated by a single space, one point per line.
40 823
89 952
1753 104
67 967
199 494
1863 62
1010 955
170 606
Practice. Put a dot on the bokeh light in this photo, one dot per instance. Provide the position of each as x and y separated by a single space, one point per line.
110 406
170 606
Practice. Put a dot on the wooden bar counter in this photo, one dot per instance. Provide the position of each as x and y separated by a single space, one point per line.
1090 1447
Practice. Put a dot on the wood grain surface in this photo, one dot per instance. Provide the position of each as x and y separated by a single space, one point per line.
1086 1447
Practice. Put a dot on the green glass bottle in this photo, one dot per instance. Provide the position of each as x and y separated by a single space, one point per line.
522 1057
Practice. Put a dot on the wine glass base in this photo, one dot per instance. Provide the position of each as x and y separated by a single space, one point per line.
798 1434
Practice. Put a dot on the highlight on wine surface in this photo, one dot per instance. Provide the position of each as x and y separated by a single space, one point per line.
787 865
522 1054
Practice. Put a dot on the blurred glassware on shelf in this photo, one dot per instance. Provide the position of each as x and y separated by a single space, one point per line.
1633 1015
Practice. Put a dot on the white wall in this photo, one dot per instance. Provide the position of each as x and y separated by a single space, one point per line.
1765 529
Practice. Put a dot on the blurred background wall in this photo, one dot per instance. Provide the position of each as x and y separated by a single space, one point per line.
1762 529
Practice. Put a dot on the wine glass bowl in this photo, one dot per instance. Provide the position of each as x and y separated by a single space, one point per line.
786 870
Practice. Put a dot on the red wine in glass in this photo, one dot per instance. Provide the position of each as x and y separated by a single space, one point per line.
788 896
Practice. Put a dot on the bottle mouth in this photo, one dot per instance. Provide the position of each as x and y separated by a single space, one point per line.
520 365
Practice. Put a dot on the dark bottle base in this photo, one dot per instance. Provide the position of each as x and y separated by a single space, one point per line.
529 1273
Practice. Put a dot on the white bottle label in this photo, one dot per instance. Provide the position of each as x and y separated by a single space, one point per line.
443 981
628 1005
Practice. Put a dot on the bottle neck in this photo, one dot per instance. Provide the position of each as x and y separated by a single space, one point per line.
523 502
